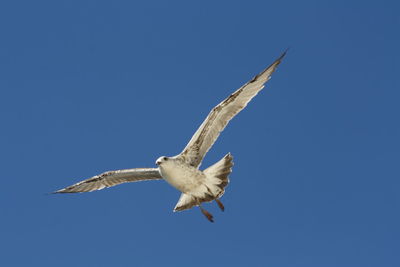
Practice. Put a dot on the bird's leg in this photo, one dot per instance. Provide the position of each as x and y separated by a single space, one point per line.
207 214
220 205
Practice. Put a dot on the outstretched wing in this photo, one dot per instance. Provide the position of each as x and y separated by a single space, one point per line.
111 178
220 115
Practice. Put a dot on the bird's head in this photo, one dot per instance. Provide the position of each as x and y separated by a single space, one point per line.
161 160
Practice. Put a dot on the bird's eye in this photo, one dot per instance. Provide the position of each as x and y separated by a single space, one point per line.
165 158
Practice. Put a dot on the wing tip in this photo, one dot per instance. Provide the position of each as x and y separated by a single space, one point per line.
67 190
61 191
279 59
285 52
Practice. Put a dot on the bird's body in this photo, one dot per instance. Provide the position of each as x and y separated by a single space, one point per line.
182 171
196 186
180 175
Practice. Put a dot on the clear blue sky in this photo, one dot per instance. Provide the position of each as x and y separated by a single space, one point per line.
91 86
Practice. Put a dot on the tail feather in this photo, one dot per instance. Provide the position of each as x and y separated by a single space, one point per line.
218 174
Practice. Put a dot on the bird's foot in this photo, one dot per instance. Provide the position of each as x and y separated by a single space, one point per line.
220 205
207 214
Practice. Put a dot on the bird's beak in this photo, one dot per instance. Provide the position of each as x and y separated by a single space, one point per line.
158 162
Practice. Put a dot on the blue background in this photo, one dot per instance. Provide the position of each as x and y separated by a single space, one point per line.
91 86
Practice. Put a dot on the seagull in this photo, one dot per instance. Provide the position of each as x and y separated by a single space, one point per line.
182 171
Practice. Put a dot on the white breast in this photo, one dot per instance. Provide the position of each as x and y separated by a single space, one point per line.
183 177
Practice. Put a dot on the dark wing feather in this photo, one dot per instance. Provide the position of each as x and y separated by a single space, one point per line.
220 115
111 178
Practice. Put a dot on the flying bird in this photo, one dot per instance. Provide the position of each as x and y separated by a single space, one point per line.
182 171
